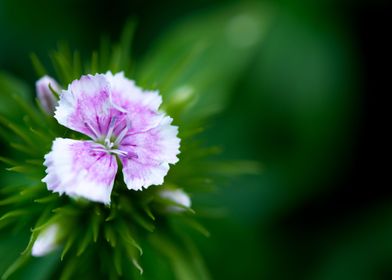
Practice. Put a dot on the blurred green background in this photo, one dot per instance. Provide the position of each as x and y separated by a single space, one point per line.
292 76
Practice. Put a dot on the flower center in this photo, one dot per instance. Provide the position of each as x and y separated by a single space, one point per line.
109 142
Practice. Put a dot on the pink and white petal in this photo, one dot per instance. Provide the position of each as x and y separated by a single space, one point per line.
139 175
125 91
86 107
141 106
81 169
160 143
149 155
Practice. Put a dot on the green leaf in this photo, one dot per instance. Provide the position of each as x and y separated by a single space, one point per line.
38 66
14 199
112 215
70 241
46 199
62 63
28 109
148 212
93 68
8 161
95 225
33 237
137 265
196 226
143 222
13 214
17 130
196 258
110 235
84 242
69 269
126 235
133 256
31 190
179 258
117 260
22 260
10 86
24 169
169 202
120 58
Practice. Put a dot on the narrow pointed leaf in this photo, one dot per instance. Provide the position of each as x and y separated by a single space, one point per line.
84 243
15 266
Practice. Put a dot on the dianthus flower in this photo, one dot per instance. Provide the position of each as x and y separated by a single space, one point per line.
124 124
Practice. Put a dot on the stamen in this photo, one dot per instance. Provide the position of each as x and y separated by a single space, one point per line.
110 131
121 153
108 143
118 152
123 132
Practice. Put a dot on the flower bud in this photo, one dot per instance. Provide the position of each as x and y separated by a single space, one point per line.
45 95
46 241
179 197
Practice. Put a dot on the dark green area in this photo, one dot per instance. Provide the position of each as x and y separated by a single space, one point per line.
280 79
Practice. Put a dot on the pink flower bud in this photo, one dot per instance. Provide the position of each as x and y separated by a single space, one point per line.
45 95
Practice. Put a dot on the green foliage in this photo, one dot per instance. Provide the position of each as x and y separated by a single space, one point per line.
11 90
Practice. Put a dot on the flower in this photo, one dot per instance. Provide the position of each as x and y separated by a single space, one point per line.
122 121
45 95
46 241
178 196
